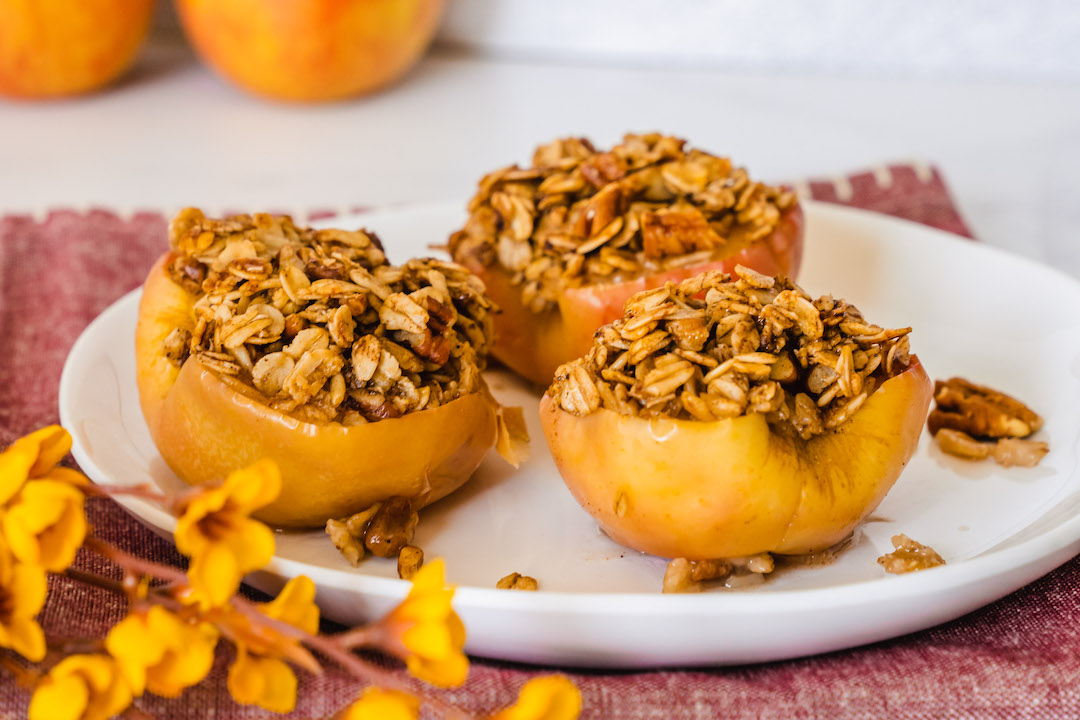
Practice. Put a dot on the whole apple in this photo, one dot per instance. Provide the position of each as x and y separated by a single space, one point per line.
52 48
309 50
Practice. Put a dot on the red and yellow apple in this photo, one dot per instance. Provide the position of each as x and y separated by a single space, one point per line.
51 48
736 487
534 345
205 426
309 50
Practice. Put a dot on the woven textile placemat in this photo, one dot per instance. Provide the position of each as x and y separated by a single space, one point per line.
1017 658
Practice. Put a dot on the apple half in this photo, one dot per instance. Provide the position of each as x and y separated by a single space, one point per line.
736 487
206 426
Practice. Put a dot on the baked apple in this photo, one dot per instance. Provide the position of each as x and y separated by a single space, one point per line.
563 244
726 417
259 339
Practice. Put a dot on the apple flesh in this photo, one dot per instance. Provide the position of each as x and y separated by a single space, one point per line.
206 426
736 487
534 345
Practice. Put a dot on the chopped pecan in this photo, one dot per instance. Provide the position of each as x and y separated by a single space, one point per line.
517 581
676 232
981 411
975 422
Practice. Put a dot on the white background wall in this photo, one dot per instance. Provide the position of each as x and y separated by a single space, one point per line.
1029 39
992 39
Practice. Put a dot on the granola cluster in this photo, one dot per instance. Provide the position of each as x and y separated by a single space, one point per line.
976 422
718 347
319 324
909 556
582 216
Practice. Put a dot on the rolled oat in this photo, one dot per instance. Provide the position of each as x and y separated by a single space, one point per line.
580 216
718 346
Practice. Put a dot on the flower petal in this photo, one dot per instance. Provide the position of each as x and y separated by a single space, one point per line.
552 697
295 604
430 640
87 687
429 578
15 464
252 544
186 664
53 445
254 486
46 524
27 638
30 587
266 682
214 575
451 672
59 699
66 475
379 704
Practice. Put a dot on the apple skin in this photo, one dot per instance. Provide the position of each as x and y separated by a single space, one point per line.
731 488
54 48
205 427
534 345
310 50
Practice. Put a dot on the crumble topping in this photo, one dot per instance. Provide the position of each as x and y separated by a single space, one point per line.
718 346
319 324
580 216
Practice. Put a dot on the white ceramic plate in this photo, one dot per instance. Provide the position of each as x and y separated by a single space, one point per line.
977 312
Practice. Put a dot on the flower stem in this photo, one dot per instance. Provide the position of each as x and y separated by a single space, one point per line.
24 676
356 637
331 648
146 491
135 564
95 580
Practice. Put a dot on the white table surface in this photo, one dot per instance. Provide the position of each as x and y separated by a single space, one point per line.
174 135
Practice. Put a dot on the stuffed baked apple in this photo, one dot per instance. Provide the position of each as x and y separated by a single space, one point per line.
561 245
362 380
725 417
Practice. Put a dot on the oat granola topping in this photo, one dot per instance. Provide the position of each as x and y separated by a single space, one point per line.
909 556
320 325
976 422
582 216
718 346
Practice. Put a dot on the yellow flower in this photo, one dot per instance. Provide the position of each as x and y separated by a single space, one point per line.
22 594
260 676
31 457
553 697
45 523
159 651
81 687
224 544
264 681
379 704
295 605
425 631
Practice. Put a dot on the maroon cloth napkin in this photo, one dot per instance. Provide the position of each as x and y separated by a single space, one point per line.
1017 658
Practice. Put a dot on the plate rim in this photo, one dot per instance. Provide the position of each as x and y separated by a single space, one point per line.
992 563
